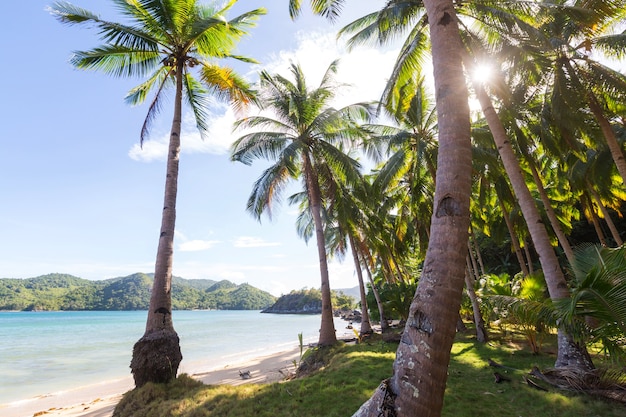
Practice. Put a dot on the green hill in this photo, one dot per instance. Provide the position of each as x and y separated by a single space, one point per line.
309 301
67 292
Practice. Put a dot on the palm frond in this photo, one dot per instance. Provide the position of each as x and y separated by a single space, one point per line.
267 145
199 101
119 61
268 188
225 84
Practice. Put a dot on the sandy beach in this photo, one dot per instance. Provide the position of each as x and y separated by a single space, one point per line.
99 400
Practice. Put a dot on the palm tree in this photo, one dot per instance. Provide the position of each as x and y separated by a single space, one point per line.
408 175
164 41
306 141
420 369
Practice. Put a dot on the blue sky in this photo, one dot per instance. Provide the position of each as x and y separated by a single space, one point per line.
80 197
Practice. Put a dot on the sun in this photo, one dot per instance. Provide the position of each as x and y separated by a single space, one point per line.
482 73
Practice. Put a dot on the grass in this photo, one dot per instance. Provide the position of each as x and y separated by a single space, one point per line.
354 371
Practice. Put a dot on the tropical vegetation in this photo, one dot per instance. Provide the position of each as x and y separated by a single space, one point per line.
309 301
495 199
55 292
306 138
353 371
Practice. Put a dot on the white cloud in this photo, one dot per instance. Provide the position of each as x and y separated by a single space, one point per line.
216 141
252 242
364 69
197 245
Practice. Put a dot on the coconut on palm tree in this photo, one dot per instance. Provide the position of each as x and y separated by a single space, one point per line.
304 136
175 45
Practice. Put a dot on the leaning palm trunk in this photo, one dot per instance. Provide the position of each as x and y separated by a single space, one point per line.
366 326
481 332
570 353
605 212
514 238
554 221
327 327
384 326
157 355
420 370
593 219
609 136
479 256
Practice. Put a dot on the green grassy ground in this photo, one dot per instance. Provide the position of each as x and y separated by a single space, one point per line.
354 371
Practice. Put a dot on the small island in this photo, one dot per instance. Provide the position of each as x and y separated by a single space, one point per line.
308 301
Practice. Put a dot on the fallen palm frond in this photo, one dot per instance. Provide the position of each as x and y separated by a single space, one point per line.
605 382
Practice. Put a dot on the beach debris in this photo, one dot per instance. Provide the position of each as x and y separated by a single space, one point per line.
245 375
500 378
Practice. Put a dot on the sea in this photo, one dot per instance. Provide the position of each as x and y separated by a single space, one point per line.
43 353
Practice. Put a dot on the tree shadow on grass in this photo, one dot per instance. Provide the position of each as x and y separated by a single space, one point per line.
353 374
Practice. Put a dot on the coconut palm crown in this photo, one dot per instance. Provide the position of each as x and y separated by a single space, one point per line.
306 139
173 45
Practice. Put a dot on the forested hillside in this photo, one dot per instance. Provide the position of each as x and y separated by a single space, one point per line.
67 292
309 301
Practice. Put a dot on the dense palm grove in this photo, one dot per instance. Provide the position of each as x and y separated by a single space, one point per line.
539 151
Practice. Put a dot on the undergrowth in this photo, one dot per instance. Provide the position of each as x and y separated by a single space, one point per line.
344 377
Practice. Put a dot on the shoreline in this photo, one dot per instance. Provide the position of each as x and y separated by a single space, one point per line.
99 400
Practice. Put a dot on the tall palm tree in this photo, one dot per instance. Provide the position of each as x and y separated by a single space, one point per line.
420 368
171 42
305 139
408 175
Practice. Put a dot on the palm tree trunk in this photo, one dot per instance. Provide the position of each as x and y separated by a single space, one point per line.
384 326
609 136
328 336
595 221
366 327
554 221
481 332
472 259
529 257
607 216
157 355
477 250
514 238
420 369
569 352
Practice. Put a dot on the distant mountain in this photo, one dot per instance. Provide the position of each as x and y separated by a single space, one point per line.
352 292
67 292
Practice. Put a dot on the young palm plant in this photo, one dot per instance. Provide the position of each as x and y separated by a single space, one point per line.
304 137
175 44
597 309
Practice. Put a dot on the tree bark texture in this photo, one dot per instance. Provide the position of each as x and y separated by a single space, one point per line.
420 370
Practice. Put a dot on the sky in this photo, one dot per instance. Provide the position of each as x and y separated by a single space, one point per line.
80 196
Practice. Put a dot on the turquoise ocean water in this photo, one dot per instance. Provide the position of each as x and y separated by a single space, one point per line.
47 352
